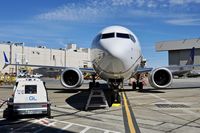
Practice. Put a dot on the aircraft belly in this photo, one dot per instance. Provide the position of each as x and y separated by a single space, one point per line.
110 75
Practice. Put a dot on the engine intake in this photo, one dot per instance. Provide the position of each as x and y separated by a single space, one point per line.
71 78
160 78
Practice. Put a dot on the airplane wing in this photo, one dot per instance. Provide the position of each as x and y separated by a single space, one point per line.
177 70
7 63
144 69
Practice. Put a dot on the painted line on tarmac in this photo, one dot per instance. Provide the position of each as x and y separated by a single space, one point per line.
1 119
101 129
85 130
130 122
66 127
44 127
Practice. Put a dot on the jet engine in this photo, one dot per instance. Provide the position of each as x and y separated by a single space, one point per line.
160 78
71 78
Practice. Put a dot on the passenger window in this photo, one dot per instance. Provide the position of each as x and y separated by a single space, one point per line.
132 38
108 35
30 89
123 35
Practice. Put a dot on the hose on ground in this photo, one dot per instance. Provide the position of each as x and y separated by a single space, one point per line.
5 101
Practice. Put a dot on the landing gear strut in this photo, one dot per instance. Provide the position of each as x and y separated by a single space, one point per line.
137 84
115 85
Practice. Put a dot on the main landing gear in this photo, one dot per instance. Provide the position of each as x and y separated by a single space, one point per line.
137 84
93 83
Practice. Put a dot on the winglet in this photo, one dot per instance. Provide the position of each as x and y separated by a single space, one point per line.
6 60
190 60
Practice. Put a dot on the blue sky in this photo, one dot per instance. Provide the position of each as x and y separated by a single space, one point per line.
55 23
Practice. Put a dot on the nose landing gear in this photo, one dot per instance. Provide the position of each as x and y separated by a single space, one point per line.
115 85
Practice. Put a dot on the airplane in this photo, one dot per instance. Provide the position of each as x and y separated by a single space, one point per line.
193 73
116 56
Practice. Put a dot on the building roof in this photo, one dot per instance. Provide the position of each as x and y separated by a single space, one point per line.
178 44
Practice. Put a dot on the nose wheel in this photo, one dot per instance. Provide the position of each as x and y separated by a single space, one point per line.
116 97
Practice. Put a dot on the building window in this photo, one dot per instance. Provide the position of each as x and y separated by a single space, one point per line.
54 57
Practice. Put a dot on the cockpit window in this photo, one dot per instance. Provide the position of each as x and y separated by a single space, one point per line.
108 35
132 38
98 37
123 35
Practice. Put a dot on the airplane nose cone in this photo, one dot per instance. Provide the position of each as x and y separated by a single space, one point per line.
119 50
116 49
118 57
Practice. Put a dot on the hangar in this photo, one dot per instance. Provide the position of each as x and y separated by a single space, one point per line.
71 56
179 50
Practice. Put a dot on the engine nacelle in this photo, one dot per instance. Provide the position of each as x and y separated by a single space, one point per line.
160 78
71 78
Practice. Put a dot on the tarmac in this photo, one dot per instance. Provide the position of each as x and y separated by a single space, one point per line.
175 109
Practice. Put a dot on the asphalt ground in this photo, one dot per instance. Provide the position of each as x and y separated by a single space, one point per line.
172 110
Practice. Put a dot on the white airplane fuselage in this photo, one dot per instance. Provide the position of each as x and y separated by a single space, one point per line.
116 53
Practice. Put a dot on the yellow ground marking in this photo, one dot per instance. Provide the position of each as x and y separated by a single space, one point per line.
130 121
116 104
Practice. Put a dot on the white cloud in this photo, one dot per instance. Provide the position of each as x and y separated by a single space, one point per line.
151 4
184 22
140 2
182 2
74 12
91 10
122 2
143 13
107 10
94 10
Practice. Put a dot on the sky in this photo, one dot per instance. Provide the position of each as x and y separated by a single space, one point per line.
56 23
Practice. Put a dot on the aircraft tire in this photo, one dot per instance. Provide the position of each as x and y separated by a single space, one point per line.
140 85
134 86
49 112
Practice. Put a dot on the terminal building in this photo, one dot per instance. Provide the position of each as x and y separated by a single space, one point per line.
179 50
72 56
